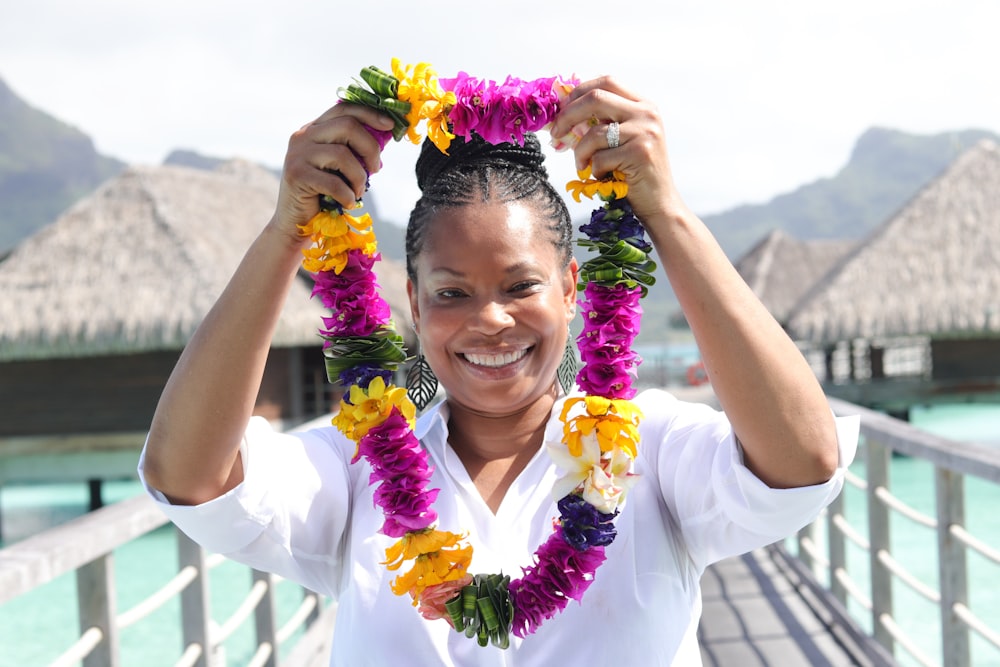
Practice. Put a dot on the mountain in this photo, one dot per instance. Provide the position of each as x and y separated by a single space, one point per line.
886 168
45 166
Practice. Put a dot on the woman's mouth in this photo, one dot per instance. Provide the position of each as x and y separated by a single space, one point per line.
495 360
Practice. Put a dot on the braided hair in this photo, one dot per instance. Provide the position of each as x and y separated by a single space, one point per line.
476 171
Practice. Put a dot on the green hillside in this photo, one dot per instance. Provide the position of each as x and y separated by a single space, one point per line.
45 166
887 167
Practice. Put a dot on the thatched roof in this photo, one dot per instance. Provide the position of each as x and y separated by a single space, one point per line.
932 269
780 269
135 266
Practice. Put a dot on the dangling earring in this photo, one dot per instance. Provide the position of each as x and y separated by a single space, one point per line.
566 373
421 383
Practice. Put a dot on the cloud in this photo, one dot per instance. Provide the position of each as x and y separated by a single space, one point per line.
757 97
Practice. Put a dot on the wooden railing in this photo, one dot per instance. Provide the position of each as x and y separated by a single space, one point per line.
952 462
86 546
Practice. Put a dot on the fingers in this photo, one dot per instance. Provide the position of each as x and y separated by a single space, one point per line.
334 154
599 115
595 100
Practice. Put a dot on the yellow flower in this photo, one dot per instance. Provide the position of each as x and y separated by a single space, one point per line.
437 558
418 543
364 410
612 186
431 570
614 424
333 235
428 101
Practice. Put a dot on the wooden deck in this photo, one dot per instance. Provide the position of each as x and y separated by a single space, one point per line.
759 611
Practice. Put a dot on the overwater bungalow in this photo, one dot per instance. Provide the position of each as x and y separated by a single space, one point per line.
97 306
780 269
913 313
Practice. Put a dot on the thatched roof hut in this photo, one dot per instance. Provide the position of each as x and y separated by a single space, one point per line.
97 306
137 265
780 269
932 269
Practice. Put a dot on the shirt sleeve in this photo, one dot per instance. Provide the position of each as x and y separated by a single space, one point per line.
721 507
287 516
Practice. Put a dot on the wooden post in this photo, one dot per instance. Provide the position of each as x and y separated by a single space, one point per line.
95 597
808 533
195 611
94 491
836 548
266 616
952 567
314 614
876 356
877 472
828 353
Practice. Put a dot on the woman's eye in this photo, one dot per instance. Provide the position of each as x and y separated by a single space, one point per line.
524 286
449 293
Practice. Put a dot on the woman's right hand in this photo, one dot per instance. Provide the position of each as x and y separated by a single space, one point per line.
332 155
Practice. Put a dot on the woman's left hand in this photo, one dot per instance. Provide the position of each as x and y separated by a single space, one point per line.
641 153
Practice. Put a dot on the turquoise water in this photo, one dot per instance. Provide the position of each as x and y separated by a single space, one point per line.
36 627
915 546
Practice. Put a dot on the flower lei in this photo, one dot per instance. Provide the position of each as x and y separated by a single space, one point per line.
362 352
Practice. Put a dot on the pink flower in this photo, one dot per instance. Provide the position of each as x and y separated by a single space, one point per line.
474 101
433 598
561 573
400 468
608 380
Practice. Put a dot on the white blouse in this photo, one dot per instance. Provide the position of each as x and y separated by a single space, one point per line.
304 512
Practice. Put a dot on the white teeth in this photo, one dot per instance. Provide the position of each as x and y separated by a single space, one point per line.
495 360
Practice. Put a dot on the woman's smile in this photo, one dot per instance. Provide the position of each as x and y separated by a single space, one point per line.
495 359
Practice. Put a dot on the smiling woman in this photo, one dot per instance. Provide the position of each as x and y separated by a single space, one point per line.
592 492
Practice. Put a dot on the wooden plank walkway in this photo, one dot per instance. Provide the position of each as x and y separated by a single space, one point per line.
760 612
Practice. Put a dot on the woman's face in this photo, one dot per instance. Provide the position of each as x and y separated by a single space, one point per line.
492 304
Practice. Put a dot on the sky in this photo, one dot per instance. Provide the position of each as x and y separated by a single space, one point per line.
758 97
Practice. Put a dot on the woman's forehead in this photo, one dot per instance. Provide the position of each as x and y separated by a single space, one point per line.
509 237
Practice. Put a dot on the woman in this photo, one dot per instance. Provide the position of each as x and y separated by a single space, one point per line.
492 292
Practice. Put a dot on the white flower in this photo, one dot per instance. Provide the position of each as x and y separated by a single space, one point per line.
604 480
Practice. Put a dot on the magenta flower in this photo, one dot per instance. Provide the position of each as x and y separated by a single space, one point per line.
399 467
353 296
501 112
608 380
357 317
473 103
560 573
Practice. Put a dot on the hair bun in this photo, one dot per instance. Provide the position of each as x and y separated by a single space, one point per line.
475 152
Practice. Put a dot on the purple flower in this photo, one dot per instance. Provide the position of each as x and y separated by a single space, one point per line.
561 573
363 374
616 224
584 525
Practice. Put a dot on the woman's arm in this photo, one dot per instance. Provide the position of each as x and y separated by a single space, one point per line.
192 452
768 391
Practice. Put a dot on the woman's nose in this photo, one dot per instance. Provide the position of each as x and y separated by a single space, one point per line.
492 317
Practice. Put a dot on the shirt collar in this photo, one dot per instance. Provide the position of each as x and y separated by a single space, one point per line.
432 425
